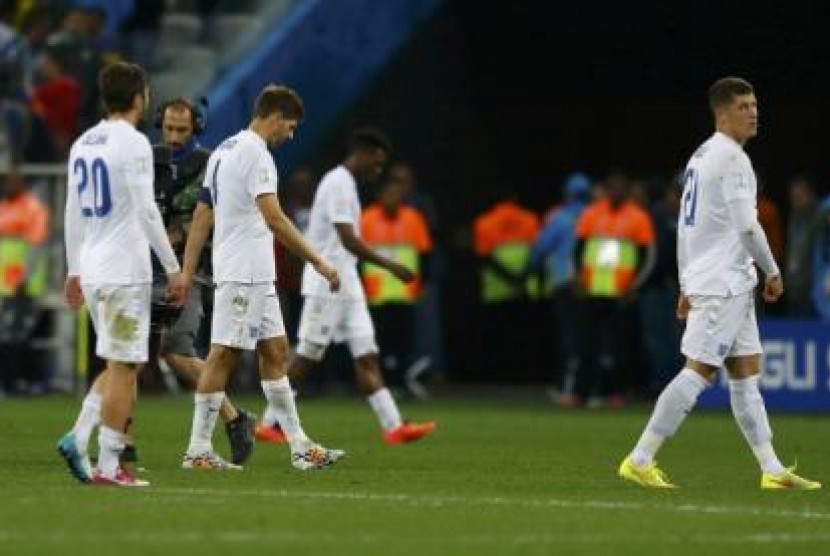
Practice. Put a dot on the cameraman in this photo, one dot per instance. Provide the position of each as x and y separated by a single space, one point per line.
180 163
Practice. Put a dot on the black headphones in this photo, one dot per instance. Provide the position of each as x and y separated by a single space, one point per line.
198 112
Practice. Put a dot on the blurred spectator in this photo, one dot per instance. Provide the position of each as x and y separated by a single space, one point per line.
107 16
429 325
296 198
24 225
15 56
15 84
503 238
800 236
552 254
770 219
57 100
615 253
73 42
399 232
658 294
36 24
142 28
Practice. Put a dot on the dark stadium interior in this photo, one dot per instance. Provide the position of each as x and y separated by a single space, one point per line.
515 98
488 102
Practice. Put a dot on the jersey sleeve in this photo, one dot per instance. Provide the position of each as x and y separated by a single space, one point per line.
339 203
138 172
738 180
204 196
73 227
207 193
262 176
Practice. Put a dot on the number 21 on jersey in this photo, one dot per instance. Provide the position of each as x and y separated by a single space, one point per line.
93 182
689 196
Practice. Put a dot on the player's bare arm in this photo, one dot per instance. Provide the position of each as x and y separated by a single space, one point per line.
72 292
356 246
196 239
773 288
755 242
683 306
290 236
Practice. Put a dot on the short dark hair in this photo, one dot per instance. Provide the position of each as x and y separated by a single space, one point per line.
725 89
369 138
119 84
279 98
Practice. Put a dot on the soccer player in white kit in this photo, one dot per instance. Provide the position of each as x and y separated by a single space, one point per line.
334 230
111 222
241 187
719 242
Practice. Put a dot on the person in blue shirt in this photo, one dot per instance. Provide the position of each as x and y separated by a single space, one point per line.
552 255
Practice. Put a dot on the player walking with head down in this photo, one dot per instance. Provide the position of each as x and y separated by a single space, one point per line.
241 186
334 230
111 223
719 242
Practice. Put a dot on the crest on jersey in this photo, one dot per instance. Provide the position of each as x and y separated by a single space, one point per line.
264 175
141 165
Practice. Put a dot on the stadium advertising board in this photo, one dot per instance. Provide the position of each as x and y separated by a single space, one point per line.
796 368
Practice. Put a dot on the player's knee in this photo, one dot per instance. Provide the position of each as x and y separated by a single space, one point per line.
361 347
311 350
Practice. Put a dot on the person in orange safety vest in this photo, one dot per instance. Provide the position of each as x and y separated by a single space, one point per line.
24 230
400 232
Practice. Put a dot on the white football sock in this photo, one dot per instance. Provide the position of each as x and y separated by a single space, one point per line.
384 406
270 417
674 404
281 403
751 415
111 444
88 419
205 412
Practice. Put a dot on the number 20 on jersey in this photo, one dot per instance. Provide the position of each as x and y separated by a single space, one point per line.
93 187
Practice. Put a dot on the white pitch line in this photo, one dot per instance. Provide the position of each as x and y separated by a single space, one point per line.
319 538
438 501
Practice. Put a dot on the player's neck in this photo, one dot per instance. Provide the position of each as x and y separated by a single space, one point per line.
130 117
351 165
258 127
729 133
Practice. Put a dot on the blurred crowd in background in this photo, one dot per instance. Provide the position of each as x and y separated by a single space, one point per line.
579 295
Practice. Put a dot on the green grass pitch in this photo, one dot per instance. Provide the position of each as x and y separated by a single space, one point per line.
496 478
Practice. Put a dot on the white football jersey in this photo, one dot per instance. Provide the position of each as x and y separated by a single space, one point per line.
111 218
713 261
240 170
335 202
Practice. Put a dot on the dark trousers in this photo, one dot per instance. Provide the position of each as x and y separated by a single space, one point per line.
568 323
608 332
394 326
19 319
661 336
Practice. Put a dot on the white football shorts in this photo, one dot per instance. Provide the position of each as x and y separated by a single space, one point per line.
721 327
326 319
244 314
121 317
